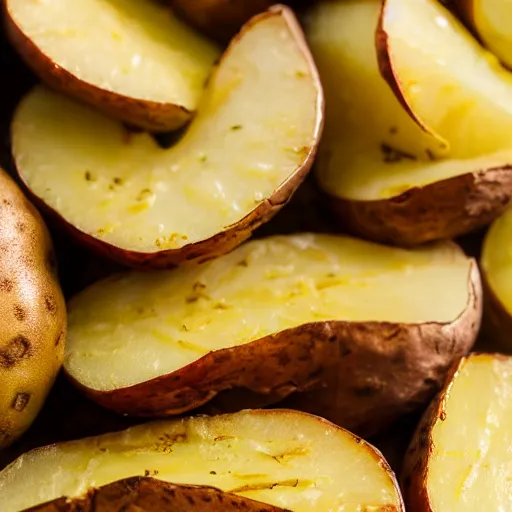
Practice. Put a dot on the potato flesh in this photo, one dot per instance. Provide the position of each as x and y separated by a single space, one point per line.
255 127
497 259
449 81
371 148
138 326
136 49
315 465
492 19
469 469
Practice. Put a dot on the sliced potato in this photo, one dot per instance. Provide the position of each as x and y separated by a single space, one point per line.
496 264
220 19
459 459
251 145
133 60
491 20
33 313
145 494
284 458
278 315
388 177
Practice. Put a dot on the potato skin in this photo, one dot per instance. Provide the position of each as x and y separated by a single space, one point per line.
386 370
33 313
219 19
272 367
145 494
442 210
148 115
234 235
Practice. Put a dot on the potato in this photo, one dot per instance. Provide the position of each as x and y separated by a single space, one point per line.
274 316
283 458
460 459
491 21
33 313
220 19
252 144
145 494
133 60
410 175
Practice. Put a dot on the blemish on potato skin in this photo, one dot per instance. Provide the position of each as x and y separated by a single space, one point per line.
20 401
6 285
59 339
17 349
50 304
19 313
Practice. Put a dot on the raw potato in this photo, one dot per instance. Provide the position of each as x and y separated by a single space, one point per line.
491 21
251 146
278 315
145 494
220 19
387 178
284 458
133 60
459 459
496 264
33 313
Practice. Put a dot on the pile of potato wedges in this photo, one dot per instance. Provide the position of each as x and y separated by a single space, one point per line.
255 257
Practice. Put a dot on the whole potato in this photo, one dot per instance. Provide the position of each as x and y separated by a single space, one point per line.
32 312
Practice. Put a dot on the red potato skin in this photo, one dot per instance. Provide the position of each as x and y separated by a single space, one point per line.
148 115
442 210
386 370
231 236
272 367
145 494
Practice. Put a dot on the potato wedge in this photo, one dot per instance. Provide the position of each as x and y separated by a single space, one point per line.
219 19
391 179
312 307
491 21
283 458
33 313
133 60
145 494
251 145
462 463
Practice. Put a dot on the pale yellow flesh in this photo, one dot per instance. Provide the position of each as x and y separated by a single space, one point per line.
492 20
258 121
137 326
364 117
315 465
469 468
497 259
132 48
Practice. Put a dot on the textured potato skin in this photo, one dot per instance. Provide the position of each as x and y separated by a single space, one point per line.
231 236
33 313
219 19
386 370
145 494
272 367
442 210
148 115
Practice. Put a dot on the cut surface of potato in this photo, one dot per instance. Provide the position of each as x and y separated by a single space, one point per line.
32 312
491 20
133 60
146 494
389 179
272 313
251 145
284 458
459 459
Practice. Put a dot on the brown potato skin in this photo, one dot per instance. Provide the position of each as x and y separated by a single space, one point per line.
145 494
442 210
234 235
219 19
387 370
148 115
33 313
272 367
